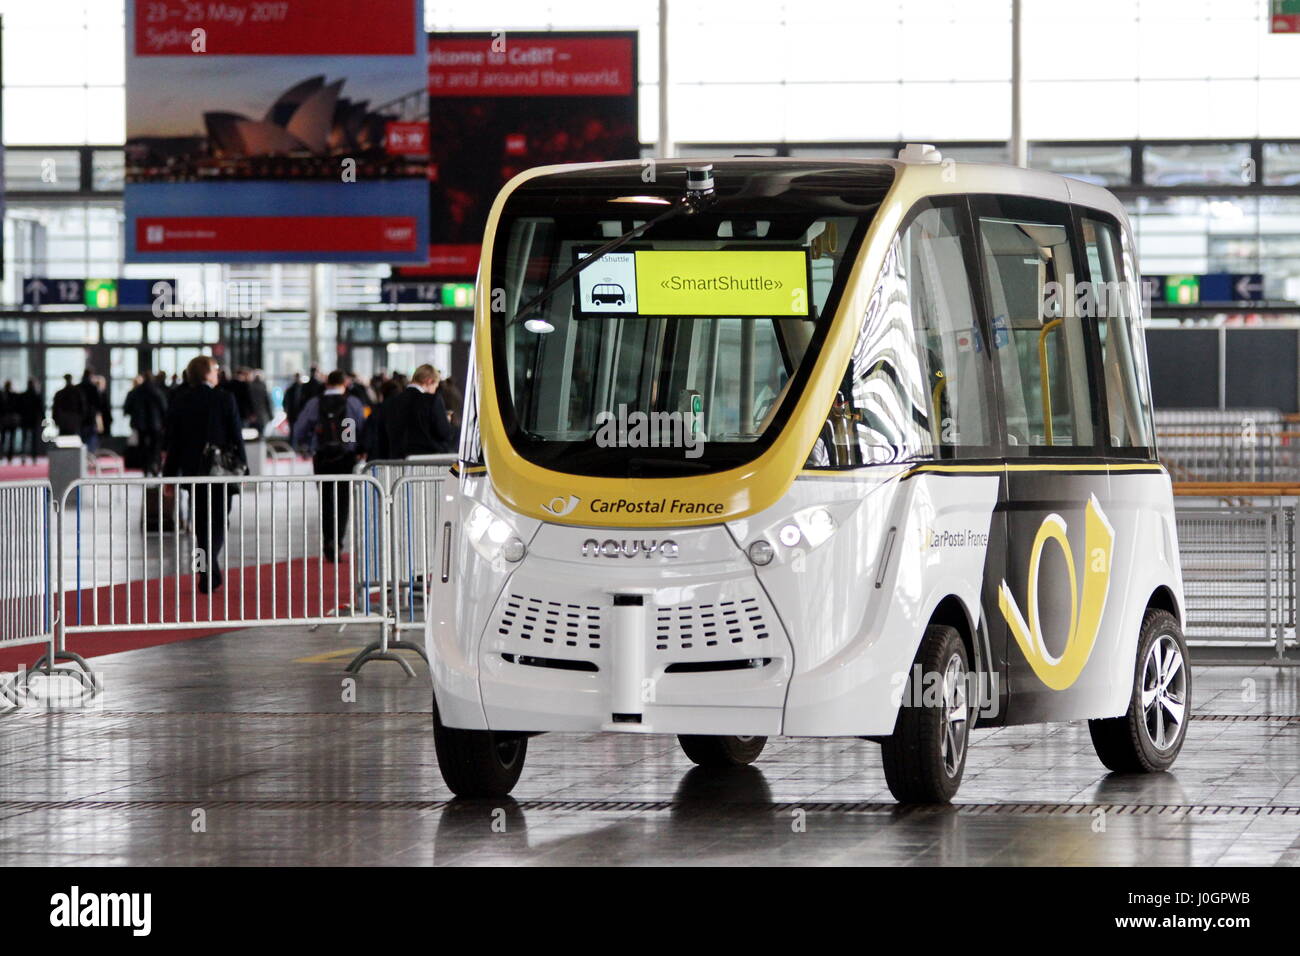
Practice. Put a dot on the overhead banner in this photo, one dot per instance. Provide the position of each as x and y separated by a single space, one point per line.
500 103
285 131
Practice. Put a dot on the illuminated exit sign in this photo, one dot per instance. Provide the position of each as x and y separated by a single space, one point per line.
101 294
1284 16
1211 288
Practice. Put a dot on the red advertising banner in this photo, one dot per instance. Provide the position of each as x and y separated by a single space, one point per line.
283 233
275 27
502 103
510 65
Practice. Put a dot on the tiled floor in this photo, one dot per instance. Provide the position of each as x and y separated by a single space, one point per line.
285 771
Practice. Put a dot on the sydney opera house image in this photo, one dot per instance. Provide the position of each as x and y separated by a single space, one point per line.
304 134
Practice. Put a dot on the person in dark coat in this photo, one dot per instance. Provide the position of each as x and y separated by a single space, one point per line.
32 410
237 385
146 407
201 414
300 393
417 422
330 428
261 396
10 421
376 433
93 402
70 409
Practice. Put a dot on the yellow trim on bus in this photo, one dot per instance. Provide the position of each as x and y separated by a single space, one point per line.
538 492
1151 467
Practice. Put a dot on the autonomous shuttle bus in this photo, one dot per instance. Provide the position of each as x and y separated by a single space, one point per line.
814 448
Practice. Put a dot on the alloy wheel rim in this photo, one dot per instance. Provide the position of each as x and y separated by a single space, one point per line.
954 716
1164 693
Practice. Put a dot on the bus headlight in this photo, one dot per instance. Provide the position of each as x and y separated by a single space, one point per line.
817 525
513 550
803 531
492 537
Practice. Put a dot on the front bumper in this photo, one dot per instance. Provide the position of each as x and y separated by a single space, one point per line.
674 639
630 653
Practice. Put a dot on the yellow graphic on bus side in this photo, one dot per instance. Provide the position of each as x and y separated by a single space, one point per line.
1058 673
722 282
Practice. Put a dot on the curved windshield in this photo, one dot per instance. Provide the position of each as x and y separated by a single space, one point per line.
682 350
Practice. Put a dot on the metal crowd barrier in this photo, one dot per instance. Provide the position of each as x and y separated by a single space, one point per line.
140 554
413 491
26 582
134 554
1242 444
1174 418
1239 581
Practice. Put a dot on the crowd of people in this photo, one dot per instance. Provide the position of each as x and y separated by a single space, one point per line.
193 426
400 415
21 414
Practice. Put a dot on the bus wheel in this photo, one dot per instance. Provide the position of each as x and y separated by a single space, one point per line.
721 750
926 755
478 763
1149 737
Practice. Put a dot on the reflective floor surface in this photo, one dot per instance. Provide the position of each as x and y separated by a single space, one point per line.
242 749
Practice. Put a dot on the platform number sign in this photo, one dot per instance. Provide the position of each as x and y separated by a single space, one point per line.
39 291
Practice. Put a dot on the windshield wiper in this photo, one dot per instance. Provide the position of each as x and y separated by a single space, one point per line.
699 194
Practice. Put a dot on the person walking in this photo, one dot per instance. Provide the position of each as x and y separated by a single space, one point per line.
204 438
69 409
32 410
10 421
92 421
146 407
329 429
300 393
376 436
417 423
261 396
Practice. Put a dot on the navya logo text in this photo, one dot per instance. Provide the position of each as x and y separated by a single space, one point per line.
1058 673
561 505
591 548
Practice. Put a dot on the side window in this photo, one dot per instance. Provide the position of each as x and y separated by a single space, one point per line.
916 385
1038 337
1110 299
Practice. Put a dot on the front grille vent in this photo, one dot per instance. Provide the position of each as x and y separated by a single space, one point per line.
550 622
723 624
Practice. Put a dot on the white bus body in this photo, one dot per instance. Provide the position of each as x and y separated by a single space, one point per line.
926 499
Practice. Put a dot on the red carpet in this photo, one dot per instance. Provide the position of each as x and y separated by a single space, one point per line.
265 592
25 472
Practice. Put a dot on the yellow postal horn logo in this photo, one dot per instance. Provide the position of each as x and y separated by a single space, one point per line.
1058 673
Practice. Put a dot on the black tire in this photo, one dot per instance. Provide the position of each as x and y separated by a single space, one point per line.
926 755
478 763
718 750
1140 741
